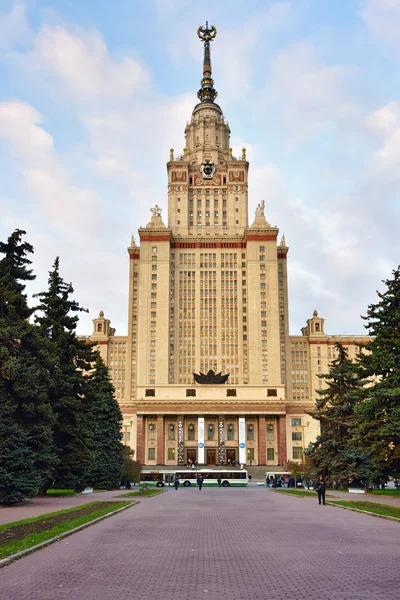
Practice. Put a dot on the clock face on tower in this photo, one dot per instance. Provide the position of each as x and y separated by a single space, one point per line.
207 169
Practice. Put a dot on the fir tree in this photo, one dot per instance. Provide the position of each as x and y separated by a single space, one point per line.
18 477
71 358
106 422
334 453
25 413
378 415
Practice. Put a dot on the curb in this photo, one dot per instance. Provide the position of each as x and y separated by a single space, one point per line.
365 512
17 555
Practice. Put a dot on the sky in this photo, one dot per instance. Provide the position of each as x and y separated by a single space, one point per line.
93 94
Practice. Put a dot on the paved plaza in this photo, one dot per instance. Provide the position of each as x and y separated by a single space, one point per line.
217 544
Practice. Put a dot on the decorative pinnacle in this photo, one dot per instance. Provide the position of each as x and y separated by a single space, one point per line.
207 93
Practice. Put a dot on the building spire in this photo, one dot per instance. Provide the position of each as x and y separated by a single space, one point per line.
207 93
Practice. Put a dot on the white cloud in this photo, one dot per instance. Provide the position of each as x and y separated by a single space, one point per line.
313 94
385 122
382 19
14 29
61 203
80 60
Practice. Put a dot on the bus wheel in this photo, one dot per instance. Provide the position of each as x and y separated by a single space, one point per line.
187 483
225 484
159 484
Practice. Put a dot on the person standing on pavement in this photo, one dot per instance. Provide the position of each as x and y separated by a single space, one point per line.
200 481
176 482
320 486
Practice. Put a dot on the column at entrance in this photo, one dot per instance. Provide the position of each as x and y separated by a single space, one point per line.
200 430
160 440
140 440
242 440
181 457
221 440
282 445
262 450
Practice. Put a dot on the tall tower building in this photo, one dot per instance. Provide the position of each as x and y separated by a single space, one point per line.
208 294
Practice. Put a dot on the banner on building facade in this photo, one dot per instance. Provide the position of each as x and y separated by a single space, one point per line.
181 456
200 428
221 442
242 440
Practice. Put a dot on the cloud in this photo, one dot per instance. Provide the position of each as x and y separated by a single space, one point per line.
80 61
61 203
385 123
14 29
313 95
382 19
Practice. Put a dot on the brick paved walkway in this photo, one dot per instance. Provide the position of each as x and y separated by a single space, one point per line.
217 544
41 506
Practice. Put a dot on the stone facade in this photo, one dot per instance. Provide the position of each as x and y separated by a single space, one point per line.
209 291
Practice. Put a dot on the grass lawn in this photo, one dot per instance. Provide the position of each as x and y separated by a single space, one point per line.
24 534
373 507
140 493
52 492
301 493
392 492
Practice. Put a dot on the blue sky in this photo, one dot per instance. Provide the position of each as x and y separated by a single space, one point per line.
94 94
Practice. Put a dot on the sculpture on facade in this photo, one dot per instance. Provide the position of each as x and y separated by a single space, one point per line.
260 209
211 378
156 211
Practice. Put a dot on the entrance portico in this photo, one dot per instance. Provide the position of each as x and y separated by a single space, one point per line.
214 425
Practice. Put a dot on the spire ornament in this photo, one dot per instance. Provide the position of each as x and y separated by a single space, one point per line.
207 93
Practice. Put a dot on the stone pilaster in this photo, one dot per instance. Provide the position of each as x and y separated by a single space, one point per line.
282 445
160 440
262 452
140 440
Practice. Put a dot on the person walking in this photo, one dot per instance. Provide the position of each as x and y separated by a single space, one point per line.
320 486
200 481
176 482
219 481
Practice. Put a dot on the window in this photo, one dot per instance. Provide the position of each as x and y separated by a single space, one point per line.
154 249
296 436
171 432
99 327
250 431
250 454
270 432
171 453
297 453
210 432
296 422
270 453
231 432
151 454
191 431
151 431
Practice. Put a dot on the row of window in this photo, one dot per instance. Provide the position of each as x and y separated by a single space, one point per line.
171 454
212 432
